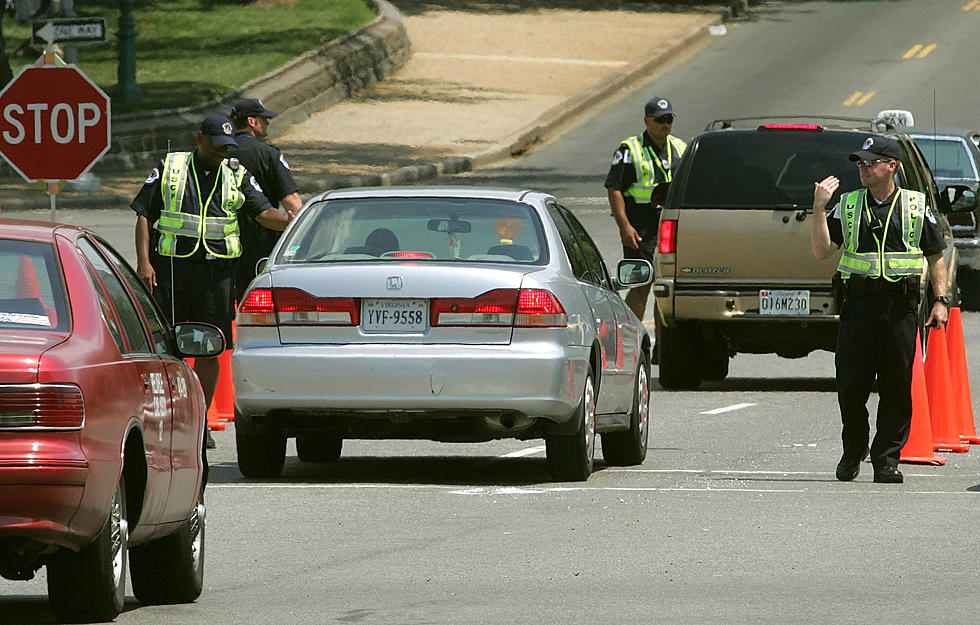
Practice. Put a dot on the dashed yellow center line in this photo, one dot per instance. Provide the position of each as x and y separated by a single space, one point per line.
972 6
920 51
860 97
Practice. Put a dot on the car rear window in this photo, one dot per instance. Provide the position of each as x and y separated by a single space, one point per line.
765 168
948 158
416 229
32 295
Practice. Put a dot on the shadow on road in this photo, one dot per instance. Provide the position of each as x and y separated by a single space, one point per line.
764 385
436 470
35 609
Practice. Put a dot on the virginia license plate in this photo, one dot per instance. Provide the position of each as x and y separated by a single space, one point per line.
394 315
784 302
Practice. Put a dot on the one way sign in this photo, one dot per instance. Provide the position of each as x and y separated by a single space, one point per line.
69 30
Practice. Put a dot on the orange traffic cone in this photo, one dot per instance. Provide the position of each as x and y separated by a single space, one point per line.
956 346
918 448
940 390
223 404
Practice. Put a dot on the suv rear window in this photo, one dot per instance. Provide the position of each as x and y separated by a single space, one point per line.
765 168
32 295
416 229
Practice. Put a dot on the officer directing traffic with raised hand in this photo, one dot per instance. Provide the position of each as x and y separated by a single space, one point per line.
642 168
187 233
885 231
271 171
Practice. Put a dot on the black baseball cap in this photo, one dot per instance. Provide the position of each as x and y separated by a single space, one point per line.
219 128
251 107
878 146
657 107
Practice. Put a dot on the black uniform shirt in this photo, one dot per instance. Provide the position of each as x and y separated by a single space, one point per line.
931 241
149 201
267 164
622 175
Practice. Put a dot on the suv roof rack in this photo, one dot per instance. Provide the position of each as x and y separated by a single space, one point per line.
876 124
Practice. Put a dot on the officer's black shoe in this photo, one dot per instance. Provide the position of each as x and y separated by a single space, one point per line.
210 441
848 468
888 475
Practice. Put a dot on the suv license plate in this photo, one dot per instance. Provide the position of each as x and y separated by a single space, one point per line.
784 302
394 315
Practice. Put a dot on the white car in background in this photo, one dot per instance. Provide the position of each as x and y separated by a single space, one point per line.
451 314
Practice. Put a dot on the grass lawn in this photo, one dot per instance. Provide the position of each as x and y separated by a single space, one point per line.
189 52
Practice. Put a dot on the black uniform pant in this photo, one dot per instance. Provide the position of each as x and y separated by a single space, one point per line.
876 341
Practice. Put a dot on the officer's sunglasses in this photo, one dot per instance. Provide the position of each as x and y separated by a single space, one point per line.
664 119
863 163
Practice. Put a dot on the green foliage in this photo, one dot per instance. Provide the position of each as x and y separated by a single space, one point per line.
191 51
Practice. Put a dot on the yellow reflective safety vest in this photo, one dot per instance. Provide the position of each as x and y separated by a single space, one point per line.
188 215
648 165
888 265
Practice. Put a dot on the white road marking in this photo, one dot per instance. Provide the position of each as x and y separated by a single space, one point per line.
727 408
521 59
530 451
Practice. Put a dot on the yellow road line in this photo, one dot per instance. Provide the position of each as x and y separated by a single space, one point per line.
972 6
860 97
920 51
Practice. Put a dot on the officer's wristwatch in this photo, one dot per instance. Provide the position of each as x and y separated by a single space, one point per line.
944 300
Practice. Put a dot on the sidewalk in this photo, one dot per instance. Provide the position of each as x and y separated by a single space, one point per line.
479 88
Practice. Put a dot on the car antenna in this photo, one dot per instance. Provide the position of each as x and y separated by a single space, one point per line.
173 306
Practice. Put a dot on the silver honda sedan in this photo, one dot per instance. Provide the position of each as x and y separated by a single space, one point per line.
458 314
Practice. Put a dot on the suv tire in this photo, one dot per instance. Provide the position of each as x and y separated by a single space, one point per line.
680 357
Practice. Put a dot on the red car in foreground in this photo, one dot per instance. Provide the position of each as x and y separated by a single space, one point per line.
101 427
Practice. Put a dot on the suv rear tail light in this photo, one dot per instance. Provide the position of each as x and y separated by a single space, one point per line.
41 406
289 306
668 236
790 127
500 307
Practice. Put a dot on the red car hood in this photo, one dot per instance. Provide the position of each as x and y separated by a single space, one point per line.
20 351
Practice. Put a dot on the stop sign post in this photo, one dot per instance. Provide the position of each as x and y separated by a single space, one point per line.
54 123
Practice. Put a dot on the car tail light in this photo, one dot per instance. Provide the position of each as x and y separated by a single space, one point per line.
790 127
500 307
539 308
407 255
288 306
41 406
668 236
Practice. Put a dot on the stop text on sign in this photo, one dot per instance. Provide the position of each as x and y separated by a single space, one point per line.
65 122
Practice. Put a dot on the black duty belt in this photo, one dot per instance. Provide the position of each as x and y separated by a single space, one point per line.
857 285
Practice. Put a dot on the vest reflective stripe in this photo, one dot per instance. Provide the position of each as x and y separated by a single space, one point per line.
646 163
890 266
205 229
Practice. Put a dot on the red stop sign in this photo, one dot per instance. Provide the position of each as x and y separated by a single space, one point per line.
54 123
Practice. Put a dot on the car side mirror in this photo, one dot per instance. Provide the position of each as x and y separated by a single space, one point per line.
199 340
633 272
961 198
260 264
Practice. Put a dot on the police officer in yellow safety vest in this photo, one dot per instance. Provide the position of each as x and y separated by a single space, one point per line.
187 233
888 235
641 171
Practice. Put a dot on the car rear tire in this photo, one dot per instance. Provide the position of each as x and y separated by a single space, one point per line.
171 569
572 456
90 585
260 453
630 447
680 357
319 447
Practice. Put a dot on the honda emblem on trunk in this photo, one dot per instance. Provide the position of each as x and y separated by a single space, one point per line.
394 283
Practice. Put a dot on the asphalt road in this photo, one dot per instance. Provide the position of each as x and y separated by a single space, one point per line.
735 517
